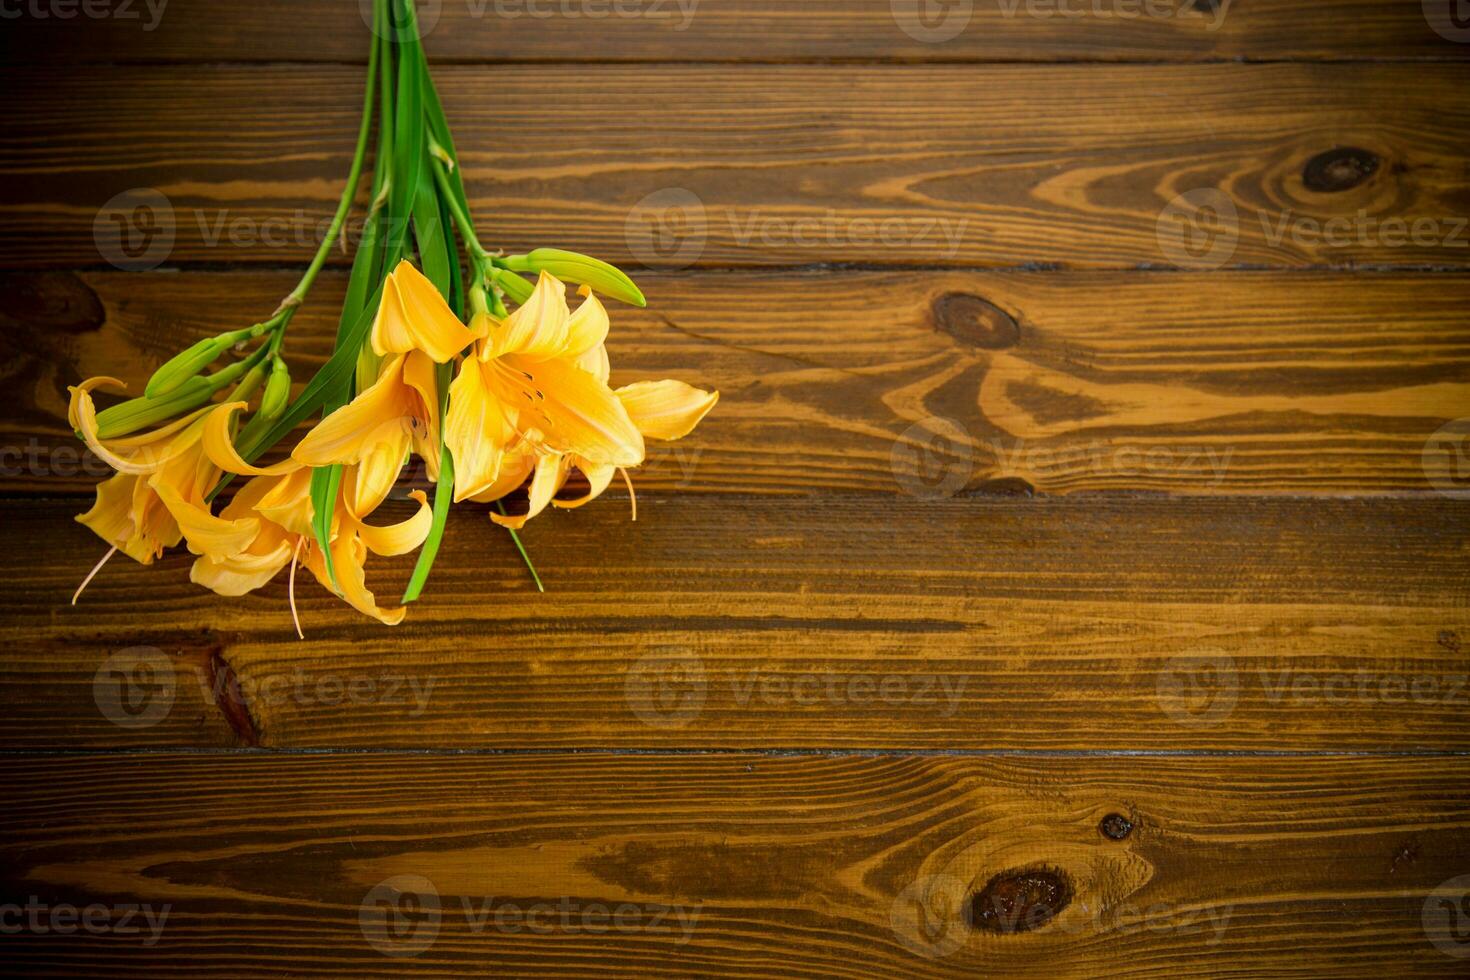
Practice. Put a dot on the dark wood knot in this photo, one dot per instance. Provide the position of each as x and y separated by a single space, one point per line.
972 320
47 303
1020 901
1115 826
1339 169
1005 486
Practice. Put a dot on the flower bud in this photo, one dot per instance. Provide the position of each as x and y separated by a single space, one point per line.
582 269
277 390
139 413
183 366
518 289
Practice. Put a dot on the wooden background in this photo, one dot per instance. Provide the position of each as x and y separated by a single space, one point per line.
1041 600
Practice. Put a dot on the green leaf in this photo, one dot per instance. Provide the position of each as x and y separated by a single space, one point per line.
429 228
408 138
439 130
326 482
365 272
443 498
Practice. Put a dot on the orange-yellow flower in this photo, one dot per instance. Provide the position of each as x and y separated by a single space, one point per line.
157 497
414 330
533 401
280 506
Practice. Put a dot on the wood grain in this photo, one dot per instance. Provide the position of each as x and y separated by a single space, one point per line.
859 622
779 867
1064 382
728 165
744 30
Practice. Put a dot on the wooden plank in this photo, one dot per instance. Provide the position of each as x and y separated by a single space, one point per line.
1238 383
949 165
747 865
746 30
858 622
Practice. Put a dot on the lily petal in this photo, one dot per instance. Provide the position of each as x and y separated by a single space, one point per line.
550 474
219 446
137 455
352 431
236 576
413 315
400 539
287 503
421 374
111 517
86 388
513 472
348 555
587 327
205 533
378 471
586 418
594 361
538 328
666 409
599 477
477 428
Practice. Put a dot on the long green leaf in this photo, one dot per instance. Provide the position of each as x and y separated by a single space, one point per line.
408 136
326 482
443 497
439 129
429 231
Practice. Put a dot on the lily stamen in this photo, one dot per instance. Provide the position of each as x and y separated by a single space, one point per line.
291 588
93 574
632 497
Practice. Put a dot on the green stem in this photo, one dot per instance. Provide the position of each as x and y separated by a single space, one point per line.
344 204
500 505
478 256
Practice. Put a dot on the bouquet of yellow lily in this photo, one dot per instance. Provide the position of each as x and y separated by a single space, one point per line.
444 350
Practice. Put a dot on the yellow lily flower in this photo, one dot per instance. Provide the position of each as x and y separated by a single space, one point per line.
157 496
131 518
414 330
531 387
280 507
662 410
534 401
